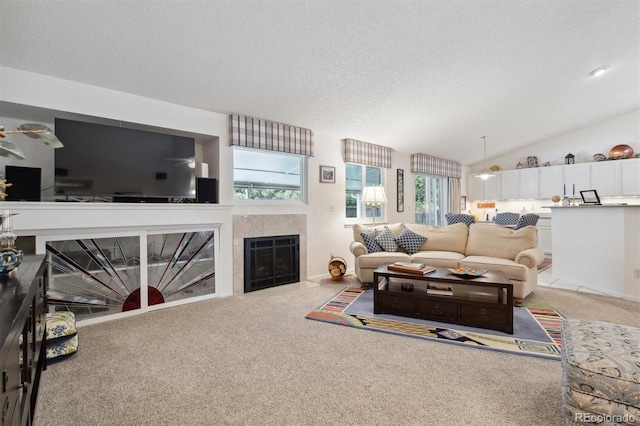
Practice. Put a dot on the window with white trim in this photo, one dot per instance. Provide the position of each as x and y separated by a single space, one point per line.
268 175
432 195
357 177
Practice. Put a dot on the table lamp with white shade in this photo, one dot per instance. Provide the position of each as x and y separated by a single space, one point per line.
373 196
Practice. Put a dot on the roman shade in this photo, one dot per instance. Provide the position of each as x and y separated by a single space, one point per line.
427 164
253 132
367 153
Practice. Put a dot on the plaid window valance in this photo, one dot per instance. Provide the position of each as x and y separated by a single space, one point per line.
423 163
367 153
253 132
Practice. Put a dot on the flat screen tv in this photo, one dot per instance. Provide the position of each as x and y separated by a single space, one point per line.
109 161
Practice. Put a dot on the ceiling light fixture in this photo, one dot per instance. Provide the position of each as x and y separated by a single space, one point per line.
485 174
33 130
598 71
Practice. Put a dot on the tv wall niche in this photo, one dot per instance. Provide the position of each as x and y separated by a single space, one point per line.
107 161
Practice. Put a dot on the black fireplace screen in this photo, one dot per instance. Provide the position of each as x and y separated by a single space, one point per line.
271 261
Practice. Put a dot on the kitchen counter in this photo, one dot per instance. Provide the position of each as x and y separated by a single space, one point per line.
598 247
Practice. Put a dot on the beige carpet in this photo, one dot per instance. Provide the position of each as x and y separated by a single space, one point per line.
349 280
255 360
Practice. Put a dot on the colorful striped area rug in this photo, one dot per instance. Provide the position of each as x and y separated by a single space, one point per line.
536 325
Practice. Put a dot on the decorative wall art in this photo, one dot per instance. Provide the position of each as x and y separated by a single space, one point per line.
327 174
400 190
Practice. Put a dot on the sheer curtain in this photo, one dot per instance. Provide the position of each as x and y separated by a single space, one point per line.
454 195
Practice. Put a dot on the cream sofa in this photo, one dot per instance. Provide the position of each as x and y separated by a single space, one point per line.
480 246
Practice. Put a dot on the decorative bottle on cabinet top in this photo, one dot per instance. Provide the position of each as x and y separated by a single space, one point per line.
10 258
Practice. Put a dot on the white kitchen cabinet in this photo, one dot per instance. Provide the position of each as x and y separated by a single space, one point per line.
630 177
479 189
605 178
492 188
544 234
509 184
550 181
578 176
528 184
609 178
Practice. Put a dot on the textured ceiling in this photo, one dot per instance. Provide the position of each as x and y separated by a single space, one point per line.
430 76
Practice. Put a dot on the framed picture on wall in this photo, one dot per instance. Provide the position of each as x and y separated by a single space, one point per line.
327 174
400 190
463 203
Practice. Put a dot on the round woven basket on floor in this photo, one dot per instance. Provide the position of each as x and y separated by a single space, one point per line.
337 268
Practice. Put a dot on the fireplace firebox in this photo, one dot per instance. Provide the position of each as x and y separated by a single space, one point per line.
271 261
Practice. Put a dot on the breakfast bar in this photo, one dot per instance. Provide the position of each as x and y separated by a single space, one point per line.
598 247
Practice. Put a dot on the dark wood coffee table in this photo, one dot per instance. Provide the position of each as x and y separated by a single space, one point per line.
483 302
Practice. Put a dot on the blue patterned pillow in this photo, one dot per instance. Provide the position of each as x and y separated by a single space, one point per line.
370 242
506 218
387 240
452 218
410 241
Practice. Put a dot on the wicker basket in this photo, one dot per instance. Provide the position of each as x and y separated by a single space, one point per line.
337 268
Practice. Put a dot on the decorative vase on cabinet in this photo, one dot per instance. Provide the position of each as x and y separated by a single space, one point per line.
10 257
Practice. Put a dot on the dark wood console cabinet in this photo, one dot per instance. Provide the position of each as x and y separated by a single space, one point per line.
23 306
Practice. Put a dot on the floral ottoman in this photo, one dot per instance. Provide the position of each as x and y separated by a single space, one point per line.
600 373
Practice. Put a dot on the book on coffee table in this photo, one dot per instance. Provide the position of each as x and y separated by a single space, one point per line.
411 268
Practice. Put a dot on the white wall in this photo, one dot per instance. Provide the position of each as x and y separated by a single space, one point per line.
327 229
597 138
327 232
37 154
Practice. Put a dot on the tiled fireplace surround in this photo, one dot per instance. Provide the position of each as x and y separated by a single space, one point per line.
250 226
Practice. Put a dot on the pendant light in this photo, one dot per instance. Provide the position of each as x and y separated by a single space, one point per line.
486 173
33 130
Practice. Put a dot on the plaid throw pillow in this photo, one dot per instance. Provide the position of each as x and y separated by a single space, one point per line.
387 240
410 241
370 242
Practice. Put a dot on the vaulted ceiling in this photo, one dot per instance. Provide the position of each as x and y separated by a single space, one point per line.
430 76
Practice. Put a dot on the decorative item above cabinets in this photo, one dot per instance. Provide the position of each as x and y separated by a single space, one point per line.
619 152
569 159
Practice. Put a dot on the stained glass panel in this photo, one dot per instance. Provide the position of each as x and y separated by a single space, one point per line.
93 277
